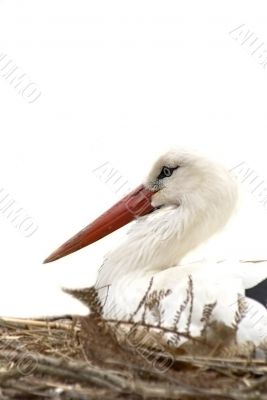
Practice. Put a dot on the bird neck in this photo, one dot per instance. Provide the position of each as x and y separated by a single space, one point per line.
160 240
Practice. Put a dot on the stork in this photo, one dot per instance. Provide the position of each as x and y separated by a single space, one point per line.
184 200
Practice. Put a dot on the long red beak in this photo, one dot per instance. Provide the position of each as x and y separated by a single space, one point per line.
136 203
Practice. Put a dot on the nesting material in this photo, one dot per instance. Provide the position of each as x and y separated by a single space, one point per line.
82 358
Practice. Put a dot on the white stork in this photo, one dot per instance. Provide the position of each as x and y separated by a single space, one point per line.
184 201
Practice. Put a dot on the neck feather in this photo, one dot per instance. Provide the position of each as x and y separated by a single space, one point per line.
161 239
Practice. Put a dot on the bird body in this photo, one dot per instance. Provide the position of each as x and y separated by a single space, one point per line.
191 288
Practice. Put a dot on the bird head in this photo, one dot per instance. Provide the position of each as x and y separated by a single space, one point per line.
179 179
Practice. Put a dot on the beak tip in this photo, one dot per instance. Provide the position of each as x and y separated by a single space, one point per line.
47 260
50 258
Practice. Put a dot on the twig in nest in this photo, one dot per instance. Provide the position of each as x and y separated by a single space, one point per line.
183 306
242 309
154 327
206 316
153 304
32 323
143 300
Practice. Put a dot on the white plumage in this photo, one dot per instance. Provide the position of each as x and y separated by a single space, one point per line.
194 202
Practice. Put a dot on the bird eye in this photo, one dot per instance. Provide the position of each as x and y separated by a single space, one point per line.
166 172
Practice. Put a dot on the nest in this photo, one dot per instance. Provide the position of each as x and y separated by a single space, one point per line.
91 358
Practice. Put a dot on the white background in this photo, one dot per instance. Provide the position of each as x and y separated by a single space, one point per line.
121 81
